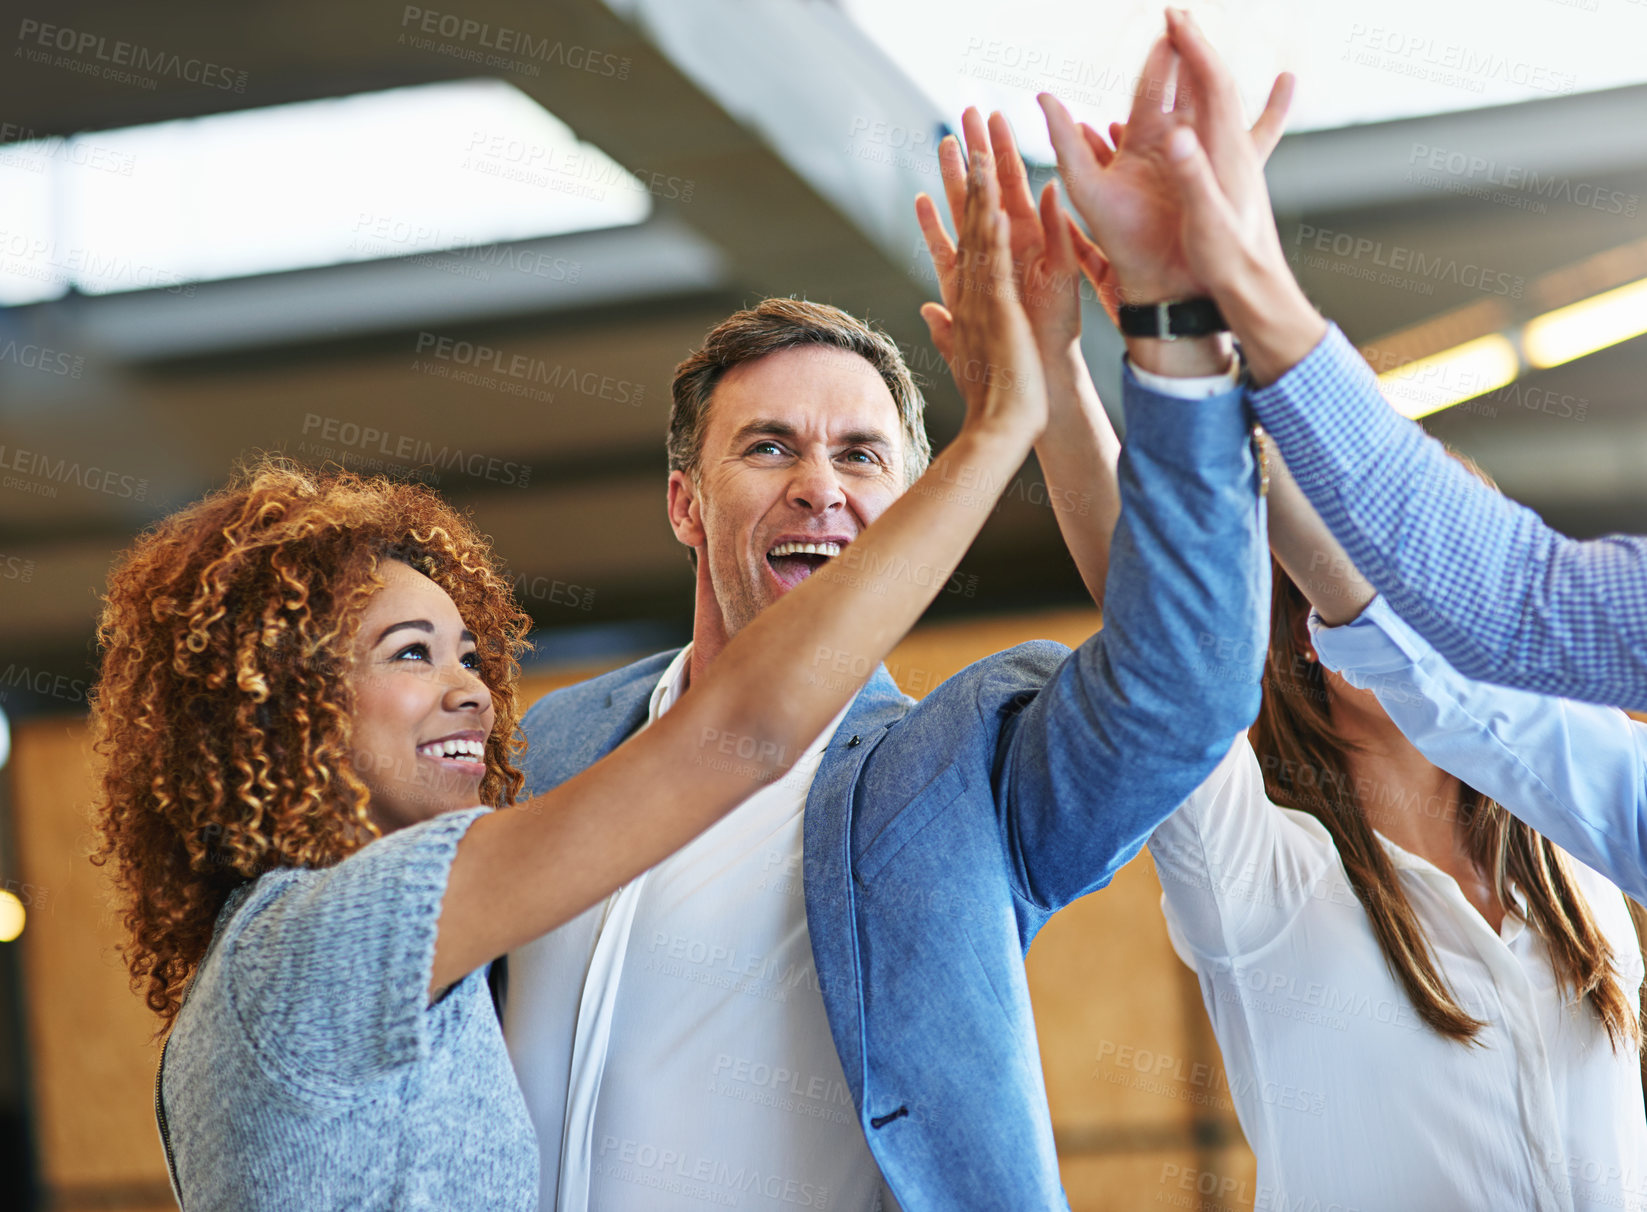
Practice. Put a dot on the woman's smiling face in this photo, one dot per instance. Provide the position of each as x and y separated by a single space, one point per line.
421 712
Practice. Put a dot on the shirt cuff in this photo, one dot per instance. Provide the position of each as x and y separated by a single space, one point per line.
1377 642
1198 387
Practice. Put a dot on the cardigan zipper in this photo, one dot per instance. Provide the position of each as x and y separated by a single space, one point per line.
160 1121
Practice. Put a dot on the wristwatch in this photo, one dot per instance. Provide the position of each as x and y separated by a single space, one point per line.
1170 321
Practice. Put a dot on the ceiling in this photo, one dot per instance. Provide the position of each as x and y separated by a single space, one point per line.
777 116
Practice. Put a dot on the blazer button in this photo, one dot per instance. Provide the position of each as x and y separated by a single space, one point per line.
853 743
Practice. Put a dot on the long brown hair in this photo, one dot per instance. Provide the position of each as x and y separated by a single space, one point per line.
221 712
1302 756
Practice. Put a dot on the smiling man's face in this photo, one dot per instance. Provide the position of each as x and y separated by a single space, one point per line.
802 450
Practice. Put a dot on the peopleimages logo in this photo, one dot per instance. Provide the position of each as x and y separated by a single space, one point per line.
41 474
1422 56
1481 176
43 358
24 254
94 54
568 169
486 359
22 148
1396 264
508 42
354 438
16 568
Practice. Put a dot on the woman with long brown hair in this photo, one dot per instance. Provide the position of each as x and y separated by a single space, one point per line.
307 713
1421 1001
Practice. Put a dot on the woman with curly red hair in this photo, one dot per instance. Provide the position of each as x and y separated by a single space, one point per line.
307 710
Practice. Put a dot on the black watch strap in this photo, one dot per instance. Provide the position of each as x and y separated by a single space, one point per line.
1169 321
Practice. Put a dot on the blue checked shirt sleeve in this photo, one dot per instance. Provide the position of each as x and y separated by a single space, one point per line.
1499 594
1576 772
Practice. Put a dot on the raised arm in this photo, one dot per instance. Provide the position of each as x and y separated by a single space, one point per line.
1305 547
521 872
1143 711
1500 595
1576 772
1140 714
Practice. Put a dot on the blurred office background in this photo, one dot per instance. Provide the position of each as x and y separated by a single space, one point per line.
467 244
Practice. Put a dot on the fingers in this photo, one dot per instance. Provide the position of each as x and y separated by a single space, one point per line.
1053 272
1101 151
985 193
952 168
1009 169
977 137
1087 254
1266 132
1154 81
1211 76
982 223
1095 267
941 326
938 244
1055 225
1209 219
1183 91
984 241
1218 120
1117 132
1076 161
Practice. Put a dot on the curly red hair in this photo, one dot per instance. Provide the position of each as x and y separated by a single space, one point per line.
221 712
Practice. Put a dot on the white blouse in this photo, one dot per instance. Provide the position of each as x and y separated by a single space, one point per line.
1348 1099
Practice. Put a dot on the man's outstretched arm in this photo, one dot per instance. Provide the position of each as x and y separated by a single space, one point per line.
1138 716
1500 595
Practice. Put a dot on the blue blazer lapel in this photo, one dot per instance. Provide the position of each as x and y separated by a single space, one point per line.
570 729
625 712
827 878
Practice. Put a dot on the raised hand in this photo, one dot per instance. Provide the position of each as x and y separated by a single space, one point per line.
1229 239
996 362
1048 249
1129 194
1079 449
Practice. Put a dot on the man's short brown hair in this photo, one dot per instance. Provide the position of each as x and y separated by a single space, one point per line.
777 324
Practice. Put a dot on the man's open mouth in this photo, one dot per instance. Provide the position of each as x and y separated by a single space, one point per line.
792 562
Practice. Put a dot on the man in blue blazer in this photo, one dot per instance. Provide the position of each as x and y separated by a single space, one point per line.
822 1002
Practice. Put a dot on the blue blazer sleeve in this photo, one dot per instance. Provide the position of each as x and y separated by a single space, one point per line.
1575 772
1500 595
1137 716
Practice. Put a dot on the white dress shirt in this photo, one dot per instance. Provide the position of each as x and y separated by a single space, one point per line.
1189 387
672 1042
1348 1099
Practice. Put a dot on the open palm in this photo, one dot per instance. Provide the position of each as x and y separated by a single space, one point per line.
1125 191
1049 252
